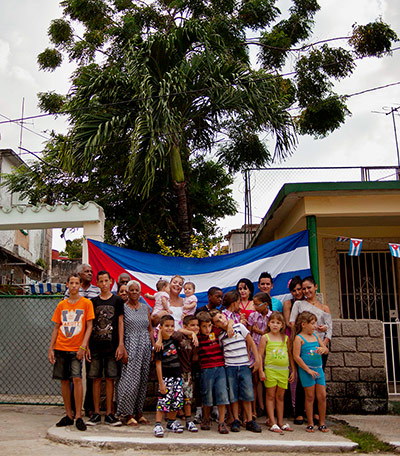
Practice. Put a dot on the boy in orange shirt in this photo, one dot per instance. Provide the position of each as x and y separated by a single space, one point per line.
73 320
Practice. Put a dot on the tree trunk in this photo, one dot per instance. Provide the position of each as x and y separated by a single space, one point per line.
178 178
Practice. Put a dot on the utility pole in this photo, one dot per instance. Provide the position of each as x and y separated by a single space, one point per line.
392 111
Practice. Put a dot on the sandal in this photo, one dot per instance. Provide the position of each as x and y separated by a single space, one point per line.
275 428
132 422
323 428
310 428
143 420
286 428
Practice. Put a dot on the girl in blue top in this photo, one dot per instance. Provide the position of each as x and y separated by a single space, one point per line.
307 351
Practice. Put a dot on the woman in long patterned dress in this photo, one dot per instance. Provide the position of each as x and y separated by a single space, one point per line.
138 340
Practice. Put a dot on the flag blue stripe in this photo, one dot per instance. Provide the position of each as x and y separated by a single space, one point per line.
148 262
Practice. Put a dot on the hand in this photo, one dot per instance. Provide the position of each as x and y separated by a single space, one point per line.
158 346
51 357
322 328
88 355
125 358
119 354
262 376
322 350
292 377
255 366
195 340
163 388
243 319
230 332
313 374
80 354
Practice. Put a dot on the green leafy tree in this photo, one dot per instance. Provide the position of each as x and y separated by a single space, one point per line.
159 84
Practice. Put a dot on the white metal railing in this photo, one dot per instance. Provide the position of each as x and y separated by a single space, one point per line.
392 354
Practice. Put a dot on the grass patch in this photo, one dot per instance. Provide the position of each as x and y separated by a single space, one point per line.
367 442
394 407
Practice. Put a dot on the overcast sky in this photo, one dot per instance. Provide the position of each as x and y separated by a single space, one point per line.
366 138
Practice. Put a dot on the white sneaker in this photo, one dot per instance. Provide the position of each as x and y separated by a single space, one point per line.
198 416
214 414
158 430
191 427
175 426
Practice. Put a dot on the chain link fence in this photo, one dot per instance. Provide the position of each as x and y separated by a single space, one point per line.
25 332
264 184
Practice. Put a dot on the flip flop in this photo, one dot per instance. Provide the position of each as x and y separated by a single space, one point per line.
143 420
132 422
323 428
286 428
276 428
310 428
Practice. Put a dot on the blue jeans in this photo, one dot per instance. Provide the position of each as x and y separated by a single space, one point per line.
213 382
240 383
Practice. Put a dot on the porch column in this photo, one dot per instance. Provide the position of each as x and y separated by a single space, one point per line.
313 246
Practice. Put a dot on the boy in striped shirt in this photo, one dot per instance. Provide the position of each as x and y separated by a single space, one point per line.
213 376
238 370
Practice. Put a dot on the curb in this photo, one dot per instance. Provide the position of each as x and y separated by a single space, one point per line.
173 443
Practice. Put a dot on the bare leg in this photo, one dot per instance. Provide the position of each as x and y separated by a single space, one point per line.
187 407
320 392
279 399
206 412
235 410
78 396
221 413
66 394
309 402
109 395
246 411
270 404
96 394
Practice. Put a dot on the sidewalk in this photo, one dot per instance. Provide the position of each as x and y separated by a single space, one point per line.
142 437
24 429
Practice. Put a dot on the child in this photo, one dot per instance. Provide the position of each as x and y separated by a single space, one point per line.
231 306
213 376
73 320
257 325
266 284
238 371
169 376
190 299
307 351
161 306
106 347
274 346
214 295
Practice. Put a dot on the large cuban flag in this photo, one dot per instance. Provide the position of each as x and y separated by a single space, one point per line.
283 259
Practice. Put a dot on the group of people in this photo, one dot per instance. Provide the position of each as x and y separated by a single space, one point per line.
240 351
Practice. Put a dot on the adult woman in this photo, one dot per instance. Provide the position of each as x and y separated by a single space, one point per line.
123 292
138 340
175 301
323 329
246 289
296 289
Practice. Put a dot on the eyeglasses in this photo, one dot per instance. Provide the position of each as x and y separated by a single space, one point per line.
124 282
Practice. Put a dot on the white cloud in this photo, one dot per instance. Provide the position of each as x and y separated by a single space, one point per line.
4 55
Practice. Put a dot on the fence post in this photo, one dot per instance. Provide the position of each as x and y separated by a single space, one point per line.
313 246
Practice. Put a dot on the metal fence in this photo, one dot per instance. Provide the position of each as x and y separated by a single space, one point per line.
392 352
25 332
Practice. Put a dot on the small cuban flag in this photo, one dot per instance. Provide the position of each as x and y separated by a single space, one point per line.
395 250
342 239
355 247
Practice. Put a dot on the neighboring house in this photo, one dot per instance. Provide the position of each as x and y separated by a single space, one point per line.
362 288
239 238
21 249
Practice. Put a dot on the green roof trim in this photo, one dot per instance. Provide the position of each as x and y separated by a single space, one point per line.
288 189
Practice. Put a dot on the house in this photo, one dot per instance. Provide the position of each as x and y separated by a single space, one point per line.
23 253
361 291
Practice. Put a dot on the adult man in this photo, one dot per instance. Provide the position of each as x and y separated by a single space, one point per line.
87 290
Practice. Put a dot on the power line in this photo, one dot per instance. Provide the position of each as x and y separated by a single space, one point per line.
21 124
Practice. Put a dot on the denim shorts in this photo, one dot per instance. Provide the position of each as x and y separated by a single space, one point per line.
67 365
213 384
104 362
240 383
